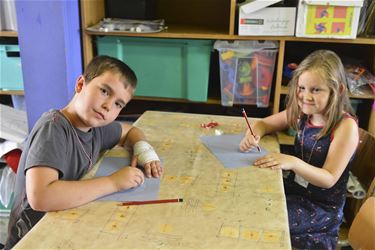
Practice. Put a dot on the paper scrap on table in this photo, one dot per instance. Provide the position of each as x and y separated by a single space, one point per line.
226 149
149 190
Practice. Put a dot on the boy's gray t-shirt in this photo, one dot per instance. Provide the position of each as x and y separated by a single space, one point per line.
53 142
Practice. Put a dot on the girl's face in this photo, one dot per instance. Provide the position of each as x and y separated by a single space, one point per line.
313 93
100 101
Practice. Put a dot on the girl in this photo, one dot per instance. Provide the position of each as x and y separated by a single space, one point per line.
319 109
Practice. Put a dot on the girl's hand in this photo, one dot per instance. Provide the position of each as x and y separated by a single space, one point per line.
277 161
127 177
153 169
249 142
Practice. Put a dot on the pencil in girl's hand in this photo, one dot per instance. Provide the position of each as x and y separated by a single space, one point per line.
248 125
130 203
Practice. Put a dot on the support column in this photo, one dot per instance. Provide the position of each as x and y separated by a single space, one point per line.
50 48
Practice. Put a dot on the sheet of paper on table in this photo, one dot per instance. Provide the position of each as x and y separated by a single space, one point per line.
226 149
149 190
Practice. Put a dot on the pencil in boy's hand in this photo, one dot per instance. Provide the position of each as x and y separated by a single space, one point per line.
130 203
248 125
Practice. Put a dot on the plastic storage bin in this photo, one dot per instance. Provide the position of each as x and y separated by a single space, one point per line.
246 71
170 68
10 68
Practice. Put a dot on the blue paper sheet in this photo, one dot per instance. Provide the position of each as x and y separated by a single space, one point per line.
149 190
226 149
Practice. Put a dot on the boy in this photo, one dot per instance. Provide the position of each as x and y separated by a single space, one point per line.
64 144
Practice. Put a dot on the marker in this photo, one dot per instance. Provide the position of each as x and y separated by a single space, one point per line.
248 125
134 203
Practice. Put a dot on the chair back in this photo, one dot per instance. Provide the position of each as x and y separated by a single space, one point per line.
363 167
362 231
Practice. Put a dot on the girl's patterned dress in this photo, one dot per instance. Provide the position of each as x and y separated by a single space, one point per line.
315 213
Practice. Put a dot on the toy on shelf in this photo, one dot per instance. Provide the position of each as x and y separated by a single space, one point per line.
289 69
360 80
246 71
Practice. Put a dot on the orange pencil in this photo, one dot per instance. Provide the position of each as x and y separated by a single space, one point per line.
248 125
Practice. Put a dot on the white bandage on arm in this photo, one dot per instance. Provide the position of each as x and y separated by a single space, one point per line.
144 152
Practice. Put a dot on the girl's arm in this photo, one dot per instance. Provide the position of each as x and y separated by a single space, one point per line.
342 148
270 124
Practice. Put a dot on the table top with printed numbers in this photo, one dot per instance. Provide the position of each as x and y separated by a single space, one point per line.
222 208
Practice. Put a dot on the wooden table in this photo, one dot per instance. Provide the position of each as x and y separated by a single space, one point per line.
241 208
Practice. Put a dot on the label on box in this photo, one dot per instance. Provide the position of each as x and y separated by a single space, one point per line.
268 21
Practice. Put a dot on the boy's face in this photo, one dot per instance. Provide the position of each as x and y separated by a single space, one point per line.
99 102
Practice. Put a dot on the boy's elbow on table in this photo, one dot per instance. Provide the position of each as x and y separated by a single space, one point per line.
37 203
39 200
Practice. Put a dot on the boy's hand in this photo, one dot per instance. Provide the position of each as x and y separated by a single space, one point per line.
249 142
153 169
128 177
147 157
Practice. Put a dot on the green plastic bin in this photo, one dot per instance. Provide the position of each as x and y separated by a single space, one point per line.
168 68
10 68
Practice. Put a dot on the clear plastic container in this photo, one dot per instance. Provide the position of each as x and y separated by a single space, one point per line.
246 71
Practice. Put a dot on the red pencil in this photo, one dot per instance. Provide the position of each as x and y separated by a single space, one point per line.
248 125
131 203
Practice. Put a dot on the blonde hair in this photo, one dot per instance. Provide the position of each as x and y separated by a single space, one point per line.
330 68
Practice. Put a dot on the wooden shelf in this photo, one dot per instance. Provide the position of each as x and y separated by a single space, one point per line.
190 32
11 92
216 20
358 40
145 98
8 33
367 95
214 32
284 138
284 90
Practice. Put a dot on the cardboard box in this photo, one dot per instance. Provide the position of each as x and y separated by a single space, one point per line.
256 18
328 19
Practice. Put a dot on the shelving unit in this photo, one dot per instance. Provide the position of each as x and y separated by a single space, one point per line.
11 92
5 33
216 20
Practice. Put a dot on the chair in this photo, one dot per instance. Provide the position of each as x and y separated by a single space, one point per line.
362 231
363 167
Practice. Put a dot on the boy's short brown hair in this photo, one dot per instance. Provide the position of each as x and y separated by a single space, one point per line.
100 64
